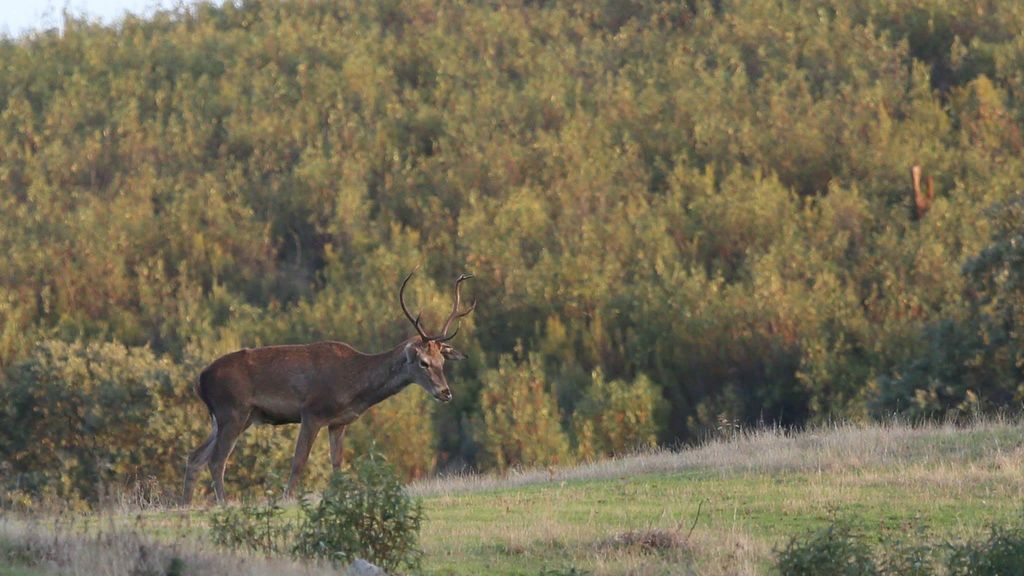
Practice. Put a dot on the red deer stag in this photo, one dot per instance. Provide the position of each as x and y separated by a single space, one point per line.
315 385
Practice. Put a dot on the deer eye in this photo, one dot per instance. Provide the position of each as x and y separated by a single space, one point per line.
424 363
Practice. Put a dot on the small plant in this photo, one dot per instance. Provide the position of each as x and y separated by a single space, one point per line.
836 550
252 527
364 513
1000 554
909 556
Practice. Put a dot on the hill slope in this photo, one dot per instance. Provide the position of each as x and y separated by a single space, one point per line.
639 514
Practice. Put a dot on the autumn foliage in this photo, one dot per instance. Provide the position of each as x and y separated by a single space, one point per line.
681 213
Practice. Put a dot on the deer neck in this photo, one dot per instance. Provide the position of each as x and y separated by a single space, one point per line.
388 377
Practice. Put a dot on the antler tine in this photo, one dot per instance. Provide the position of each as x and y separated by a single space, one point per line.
401 300
447 338
455 308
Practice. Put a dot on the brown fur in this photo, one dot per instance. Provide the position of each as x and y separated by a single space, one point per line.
315 385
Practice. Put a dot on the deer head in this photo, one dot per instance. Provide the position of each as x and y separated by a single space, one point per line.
426 355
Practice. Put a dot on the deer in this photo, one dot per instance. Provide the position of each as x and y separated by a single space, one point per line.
922 200
314 385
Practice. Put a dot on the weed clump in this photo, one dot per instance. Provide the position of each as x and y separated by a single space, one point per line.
1000 554
364 513
837 550
251 527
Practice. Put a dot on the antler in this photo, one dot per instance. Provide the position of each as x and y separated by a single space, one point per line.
401 300
444 337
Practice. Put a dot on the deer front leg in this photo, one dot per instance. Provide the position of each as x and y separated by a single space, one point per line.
307 434
337 434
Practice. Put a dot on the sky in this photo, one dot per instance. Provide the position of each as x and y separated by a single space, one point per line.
20 16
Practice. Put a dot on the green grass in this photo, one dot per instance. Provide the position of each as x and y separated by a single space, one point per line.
517 531
754 492
950 483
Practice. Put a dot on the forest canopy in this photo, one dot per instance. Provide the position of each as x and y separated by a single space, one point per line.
682 216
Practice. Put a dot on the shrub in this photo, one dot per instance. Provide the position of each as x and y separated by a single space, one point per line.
615 417
79 417
973 361
909 558
1000 554
252 527
838 549
518 423
364 513
835 550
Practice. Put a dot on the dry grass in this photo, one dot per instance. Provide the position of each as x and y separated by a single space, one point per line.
823 449
65 549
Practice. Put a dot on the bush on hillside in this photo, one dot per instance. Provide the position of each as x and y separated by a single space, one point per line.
363 513
842 550
616 416
519 423
972 361
81 419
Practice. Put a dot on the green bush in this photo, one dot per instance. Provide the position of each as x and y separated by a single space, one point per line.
364 513
518 423
251 527
913 556
80 419
616 416
836 550
972 361
999 554
839 549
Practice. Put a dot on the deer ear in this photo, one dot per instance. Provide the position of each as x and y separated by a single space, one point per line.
450 353
410 353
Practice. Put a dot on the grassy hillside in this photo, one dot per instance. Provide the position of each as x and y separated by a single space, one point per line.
635 514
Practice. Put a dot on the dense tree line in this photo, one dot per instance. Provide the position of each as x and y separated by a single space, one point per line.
681 215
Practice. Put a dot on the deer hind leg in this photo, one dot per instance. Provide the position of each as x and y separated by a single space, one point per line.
227 435
337 435
307 434
196 460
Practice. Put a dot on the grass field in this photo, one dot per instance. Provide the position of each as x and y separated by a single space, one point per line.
639 514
